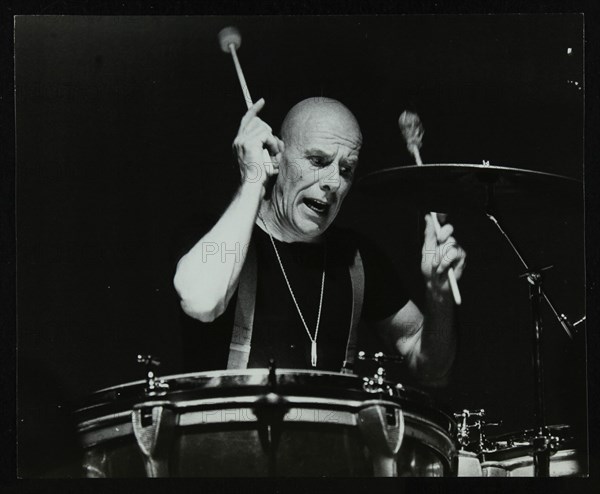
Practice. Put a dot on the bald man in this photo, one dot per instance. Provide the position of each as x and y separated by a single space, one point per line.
272 278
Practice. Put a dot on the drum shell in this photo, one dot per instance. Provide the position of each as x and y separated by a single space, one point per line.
216 429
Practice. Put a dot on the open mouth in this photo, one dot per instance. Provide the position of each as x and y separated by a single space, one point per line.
319 207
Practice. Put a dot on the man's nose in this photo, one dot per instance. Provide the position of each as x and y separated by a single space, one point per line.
329 178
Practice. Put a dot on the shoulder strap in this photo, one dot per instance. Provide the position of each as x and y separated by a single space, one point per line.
357 278
239 349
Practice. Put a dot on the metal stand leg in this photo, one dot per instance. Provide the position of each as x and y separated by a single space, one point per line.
543 442
541 447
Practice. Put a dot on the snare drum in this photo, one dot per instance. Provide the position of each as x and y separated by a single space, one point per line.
257 423
511 455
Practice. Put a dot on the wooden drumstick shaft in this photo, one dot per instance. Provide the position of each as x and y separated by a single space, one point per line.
414 149
240 74
245 91
436 225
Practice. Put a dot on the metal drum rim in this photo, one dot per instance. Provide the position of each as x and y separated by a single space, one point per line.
104 402
206 377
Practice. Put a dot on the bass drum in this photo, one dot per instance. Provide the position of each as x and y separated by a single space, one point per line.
511 455
261 423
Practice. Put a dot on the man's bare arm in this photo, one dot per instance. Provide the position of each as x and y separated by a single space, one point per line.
207 275
428 341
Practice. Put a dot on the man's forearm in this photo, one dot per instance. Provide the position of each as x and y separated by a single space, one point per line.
207 275
438 338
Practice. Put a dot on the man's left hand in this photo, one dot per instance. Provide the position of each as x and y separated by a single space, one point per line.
438 255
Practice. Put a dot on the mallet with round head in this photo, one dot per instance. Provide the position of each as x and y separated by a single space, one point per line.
412 131
230 40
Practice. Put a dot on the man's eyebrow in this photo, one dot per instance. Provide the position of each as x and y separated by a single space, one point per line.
318 152
352 161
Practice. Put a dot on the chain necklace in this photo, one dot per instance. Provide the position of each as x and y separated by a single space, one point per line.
313 341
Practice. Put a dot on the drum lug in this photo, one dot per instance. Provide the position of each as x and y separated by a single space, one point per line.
153 427
382 429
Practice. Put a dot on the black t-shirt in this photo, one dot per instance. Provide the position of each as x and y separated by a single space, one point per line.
278 331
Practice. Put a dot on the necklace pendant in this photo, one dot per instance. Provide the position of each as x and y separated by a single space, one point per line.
313 353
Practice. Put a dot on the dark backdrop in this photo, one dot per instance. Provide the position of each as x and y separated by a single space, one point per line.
124 129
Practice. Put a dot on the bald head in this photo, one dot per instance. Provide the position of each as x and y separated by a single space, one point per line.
322 143
320 111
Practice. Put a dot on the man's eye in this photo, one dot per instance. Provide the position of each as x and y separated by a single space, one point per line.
346 171
317 161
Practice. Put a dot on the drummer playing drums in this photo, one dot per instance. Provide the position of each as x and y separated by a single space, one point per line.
272 278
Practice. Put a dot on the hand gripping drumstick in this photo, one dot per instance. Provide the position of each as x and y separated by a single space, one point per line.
412 131
230 40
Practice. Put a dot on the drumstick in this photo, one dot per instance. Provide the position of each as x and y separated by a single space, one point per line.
412 131
230 40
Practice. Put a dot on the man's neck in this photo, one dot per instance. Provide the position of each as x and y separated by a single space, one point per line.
275 225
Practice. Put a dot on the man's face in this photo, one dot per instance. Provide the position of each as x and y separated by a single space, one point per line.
318 166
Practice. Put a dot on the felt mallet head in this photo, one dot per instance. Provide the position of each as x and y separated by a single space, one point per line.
229 35
411 128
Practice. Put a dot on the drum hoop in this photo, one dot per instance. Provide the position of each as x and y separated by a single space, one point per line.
399 392
231 372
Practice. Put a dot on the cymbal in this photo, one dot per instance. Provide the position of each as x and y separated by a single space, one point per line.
448 186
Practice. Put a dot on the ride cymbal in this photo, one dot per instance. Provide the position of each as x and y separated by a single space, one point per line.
451 186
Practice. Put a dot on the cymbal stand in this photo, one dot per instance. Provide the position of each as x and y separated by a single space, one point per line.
542 443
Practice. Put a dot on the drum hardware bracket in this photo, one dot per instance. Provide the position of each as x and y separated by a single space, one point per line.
464 429
154 385
541 455
376 383
153 427
270 410
382 437
479 424
535 276
544 445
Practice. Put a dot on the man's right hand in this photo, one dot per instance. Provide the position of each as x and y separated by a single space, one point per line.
253 138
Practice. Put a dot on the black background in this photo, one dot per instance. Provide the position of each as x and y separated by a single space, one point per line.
124 127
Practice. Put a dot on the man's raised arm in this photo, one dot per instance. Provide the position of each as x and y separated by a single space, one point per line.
428 341
207 275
